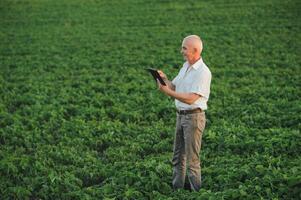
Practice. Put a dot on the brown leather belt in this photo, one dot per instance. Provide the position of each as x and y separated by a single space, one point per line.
185 112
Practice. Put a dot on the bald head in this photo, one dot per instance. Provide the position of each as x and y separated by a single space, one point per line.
195 42
192 47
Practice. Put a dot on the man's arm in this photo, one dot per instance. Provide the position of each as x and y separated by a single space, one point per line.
188 98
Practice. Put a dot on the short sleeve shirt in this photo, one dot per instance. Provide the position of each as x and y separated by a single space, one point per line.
193 79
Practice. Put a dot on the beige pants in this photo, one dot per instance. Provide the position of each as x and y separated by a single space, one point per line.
187 146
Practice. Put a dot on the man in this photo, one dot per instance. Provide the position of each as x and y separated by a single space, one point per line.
190 88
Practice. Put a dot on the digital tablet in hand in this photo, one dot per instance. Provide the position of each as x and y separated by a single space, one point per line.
156 75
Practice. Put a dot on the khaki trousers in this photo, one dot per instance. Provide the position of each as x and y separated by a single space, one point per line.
187 146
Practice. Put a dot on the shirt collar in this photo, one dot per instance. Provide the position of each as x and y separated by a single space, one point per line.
196 65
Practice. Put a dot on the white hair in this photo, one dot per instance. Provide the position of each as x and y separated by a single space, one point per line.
196 41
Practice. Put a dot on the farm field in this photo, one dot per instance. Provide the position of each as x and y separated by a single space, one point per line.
80 118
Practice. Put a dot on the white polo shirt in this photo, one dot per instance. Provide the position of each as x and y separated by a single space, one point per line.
193 79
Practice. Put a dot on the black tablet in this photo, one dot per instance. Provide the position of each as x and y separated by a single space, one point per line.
156 75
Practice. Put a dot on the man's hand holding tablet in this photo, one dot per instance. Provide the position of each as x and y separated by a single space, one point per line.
156 76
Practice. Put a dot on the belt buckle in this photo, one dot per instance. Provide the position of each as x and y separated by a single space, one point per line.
183 112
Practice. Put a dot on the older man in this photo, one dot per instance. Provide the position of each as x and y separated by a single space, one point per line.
190 88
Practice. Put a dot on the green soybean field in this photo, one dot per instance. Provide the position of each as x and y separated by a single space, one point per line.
80 118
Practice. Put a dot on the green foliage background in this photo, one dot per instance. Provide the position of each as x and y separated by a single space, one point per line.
81 119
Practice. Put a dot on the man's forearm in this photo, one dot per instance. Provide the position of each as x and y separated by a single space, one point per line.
188 98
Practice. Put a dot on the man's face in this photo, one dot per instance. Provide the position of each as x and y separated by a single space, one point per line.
187 51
